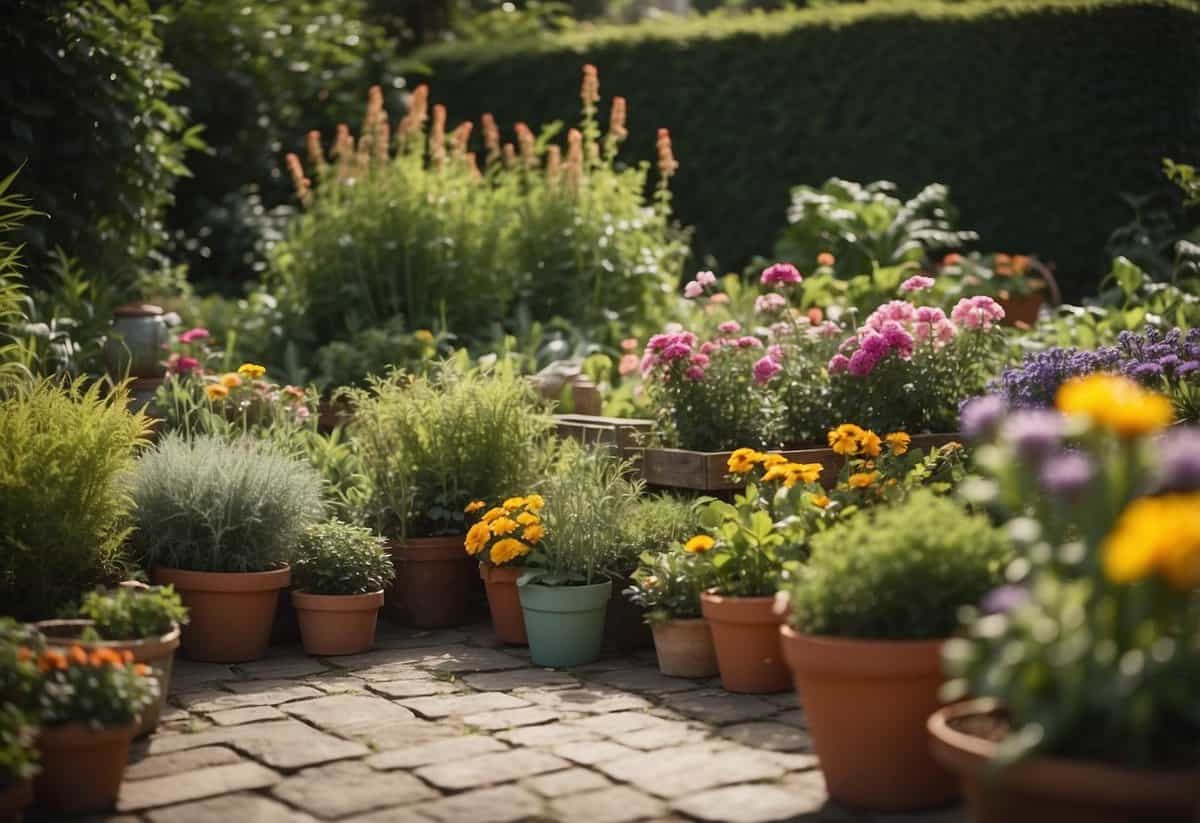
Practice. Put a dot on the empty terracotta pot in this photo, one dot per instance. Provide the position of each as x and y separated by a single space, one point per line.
13 800
504 602
685 648
82 767
231 613
333 624
432 589
745 633
1052 790
866 703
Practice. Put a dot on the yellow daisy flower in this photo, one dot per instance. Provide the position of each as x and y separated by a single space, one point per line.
870 443
742 460
503 525
533 533
1116 403
1156 534
251 371
528 518
863 479
699 544
508 549
514 503
898 442
844 439
492 514
534 502
474 506
477 537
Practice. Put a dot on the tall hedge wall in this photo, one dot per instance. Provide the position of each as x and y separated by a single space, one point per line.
1037 114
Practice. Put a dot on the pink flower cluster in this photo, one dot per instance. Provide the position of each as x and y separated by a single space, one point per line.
770 303
979 312
781 274
695 288
664 349
917 283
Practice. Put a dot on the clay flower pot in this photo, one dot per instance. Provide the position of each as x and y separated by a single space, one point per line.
866 703
231 613
504 602
1052 790
333 624
745 633
156 652
13 800
433 581
685 648
565 623
82 767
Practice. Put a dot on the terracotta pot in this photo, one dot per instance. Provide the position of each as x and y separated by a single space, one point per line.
1021 308
745 633
13 800
504 602
685 648
230 613
433 581
82 767
337 624
157 652
1052 790
625 628
866 703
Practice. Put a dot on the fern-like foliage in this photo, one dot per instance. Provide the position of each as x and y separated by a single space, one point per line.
14 210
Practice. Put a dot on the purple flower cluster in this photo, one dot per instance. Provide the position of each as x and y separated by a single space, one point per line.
1179 460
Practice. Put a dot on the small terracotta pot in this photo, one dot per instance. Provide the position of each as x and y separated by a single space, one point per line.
433 581
157 652
745 633
13 800
337 624
685 648
82 767
1021 308
231 613
1052 790
866 703
504 602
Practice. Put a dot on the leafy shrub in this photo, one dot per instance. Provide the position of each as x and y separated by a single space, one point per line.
14 357
668 584
653 525
338 558
898 572
131 614
102 689
19 675
64 502
211 505
18 746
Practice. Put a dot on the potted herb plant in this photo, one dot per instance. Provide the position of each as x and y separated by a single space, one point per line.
504 535
340 572
143 621
219 521
428 447
1084 669
564 590
869 612
668 585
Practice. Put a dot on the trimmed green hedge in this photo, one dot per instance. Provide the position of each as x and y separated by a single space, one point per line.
1037 114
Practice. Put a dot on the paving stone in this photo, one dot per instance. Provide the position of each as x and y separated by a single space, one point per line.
401 734
551 734
178 762
793 761
489 769
190 676
249 714
337 684
606 664
571 781
619 724
350 788
269 687
276 668
451 659
686 769
721 707
618 804
764 734
957 814
247 693
645 680
438 751
348 714
746 804
231 808
194 784
661 737
404 814
519 679
511 718
415 687
793 718
281 744
499 805
462 704
173 714
590 752
589 700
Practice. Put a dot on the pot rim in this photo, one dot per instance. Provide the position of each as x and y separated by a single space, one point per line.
886 659
143 648
366 601
228 582
77 734
500 574
717 608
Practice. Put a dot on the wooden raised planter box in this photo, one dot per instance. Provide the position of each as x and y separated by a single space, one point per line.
623 434
706 471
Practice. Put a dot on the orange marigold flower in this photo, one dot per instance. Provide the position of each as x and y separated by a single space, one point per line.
821 501
898 442
863 479
870 443
474 506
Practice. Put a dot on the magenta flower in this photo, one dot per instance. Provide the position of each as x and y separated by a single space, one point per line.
917 283
839 364
700 359
897 339
192 335
875 345
862 363
978 312
769 303
775 352
781 274
694 373
765 369
187 365
901 311
749 342
730 327
708 347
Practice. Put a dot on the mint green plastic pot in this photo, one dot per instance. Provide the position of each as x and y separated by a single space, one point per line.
565 624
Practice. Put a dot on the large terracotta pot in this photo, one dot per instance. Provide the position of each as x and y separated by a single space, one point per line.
82 767
433 581
337 624
156 652
745 632
1051 790
13 800
866 703
504 602
685 648
230 613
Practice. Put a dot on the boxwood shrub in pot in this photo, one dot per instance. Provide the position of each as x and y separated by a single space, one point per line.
340 572
868 614
219 520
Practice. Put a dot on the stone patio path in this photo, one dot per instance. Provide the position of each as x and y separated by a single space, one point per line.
448 726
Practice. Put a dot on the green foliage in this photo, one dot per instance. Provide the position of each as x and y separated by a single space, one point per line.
898 572
653 525
64 502
131 614
337 558
668 584
798 96
18 669
430 445
14 353
18 746
86 96
212 505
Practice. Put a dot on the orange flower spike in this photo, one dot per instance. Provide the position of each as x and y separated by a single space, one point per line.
589 90
667 164
616 120
77 656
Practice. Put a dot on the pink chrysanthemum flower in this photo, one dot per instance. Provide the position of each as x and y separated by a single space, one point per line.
781 274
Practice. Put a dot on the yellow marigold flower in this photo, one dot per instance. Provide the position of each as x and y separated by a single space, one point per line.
742 460
898 442
870 443
1116 403
424 335
474 506
216 391
251 371
508 549
503 525
779 473
534 502
821 501
771 460
514 503
492 514
1156 534
528 518
698 544
533 533
863 479
807 472
477 537
845 439
231 380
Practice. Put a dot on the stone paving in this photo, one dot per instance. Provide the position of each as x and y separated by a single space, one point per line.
447 726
